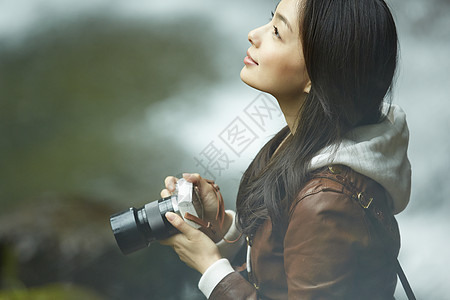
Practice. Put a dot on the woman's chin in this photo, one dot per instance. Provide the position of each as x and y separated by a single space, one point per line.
243 75
247 79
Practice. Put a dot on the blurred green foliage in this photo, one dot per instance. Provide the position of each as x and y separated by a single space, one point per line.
51 292
65 90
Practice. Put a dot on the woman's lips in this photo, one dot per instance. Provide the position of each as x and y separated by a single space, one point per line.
248 60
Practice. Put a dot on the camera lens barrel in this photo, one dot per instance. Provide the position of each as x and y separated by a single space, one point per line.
129 230
161 228
135 229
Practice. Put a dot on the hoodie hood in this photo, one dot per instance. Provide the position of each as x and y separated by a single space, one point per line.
378 151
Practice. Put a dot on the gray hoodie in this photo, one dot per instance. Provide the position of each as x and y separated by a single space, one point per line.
377 151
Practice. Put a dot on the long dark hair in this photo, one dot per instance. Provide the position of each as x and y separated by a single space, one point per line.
350 51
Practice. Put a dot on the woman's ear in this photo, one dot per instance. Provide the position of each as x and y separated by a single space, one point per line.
307 88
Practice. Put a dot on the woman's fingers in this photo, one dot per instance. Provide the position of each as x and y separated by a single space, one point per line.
170 182
165 193
180 224
203 186
195 178
192 246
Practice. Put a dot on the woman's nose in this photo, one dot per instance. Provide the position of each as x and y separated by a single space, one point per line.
254 36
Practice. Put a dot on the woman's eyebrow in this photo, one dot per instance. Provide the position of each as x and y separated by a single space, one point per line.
283 19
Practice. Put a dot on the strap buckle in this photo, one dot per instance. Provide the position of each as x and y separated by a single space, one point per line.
363 200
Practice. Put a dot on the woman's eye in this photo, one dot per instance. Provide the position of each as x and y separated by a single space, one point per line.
275 32
271 15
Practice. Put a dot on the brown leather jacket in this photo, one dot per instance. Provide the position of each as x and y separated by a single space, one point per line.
330 249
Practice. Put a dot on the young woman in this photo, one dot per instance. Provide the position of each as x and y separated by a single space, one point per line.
302 203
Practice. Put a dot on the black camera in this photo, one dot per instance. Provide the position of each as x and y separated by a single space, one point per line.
135 229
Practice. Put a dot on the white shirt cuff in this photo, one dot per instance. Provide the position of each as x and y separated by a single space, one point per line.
229 250
213 275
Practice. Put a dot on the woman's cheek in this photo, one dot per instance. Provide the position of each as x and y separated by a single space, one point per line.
293 74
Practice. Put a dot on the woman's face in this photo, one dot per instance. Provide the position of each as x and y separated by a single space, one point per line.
274 62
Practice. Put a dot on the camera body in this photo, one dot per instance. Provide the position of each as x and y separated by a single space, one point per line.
135 229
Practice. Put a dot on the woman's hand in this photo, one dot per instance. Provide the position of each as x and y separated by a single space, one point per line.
208 197
193 247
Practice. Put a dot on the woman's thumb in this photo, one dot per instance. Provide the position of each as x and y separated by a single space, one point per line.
178 223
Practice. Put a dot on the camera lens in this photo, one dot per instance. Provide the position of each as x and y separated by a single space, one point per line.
135 229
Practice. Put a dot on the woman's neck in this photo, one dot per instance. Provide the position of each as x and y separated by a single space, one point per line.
290 106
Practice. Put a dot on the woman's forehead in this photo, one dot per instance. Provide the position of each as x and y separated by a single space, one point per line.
289 9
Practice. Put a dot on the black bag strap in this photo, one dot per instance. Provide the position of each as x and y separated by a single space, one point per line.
381 232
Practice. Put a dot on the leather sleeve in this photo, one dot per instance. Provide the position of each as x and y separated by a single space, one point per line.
234 287
325 230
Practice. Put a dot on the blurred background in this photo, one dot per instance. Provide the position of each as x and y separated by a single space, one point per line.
101 100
